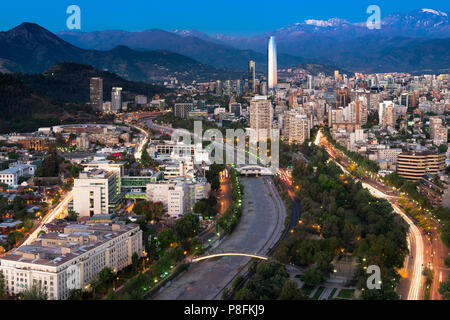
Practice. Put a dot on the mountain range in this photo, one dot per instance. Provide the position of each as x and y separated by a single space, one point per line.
413 42
214 53
417 42
29 48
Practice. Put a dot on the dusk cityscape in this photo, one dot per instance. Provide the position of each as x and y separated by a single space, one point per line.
225 157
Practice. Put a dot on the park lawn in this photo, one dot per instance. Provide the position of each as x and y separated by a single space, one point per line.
318 293
306 290
346 293
332 294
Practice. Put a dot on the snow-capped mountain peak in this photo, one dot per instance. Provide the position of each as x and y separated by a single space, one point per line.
435 12
326 23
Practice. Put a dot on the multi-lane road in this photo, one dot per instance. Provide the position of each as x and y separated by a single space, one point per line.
58 211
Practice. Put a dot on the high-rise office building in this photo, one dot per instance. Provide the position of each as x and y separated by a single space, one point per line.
116 99
310 82
335 116
181 110
261 114
263 88
228 88
357 112
219 88
386 114
296 126
413 165
272 64
96 193
96 87
336 75
239 87
251 76
438 132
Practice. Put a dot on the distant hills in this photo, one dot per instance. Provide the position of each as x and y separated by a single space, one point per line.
23 110
32 49
204 50
407 42
69 82
58 95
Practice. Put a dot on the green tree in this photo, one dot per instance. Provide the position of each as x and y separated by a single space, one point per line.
35 292
165 238
75 294
28 224
291 291
238 281
186 227
212 175
444 290
72 216
13 155
447 261
205 207
111 294
13 237
383 294
443 148
18 204
50 165
105 276
135 262
75 171
149 210
313 277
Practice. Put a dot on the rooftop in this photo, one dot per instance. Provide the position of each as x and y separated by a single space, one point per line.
54 249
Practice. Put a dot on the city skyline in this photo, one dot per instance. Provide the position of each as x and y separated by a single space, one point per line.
309 162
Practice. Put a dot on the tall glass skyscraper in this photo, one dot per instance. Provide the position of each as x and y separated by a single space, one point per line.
251 76
272 64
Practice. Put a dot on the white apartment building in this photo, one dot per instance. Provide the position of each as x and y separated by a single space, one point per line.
70 260
198 189
386 114
438 132
296 126
261 115
173 195
11 176
178 195
389 154
179 151
97 191
116 99
335 116
178 169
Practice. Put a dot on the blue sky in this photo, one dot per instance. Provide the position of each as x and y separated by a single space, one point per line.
236 17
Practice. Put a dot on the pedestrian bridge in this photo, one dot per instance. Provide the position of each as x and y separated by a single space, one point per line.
250 170
219 255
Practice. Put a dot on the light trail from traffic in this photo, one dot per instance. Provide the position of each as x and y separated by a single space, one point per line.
138 154
212 256
49 217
